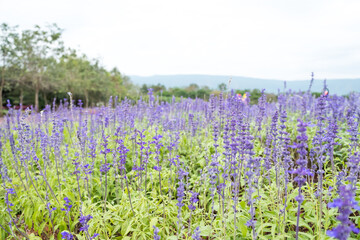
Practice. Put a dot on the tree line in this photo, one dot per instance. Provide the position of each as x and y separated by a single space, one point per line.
37 67
204 92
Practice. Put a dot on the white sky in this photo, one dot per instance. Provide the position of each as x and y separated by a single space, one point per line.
278 39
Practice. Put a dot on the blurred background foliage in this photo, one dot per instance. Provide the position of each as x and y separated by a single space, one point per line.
36 67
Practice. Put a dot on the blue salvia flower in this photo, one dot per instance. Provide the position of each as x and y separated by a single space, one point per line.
274 137
94 236
345 203
252 164
88 170
84 220
9 204
285 154
303 106
319 140
105 167
3 168
353 130
267 152
213 177
302 171
180 193
354 156
76 163
221 109
7 201
67 205
212 107
332 131
156 233
92 148
227 147
50 209
261 113
214 171
157 168
105 144
158 146
67 235
340 177
122 151
196 235
193 200
141 144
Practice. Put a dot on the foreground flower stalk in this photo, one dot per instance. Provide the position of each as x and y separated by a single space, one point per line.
345 203
302 171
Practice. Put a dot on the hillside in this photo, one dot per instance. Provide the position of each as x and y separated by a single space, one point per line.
336 86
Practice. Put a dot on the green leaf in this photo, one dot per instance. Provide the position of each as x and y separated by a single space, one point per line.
171 238
128 228
153 222
243 204
309 236
33 237
116 229
41 228
243 228
205 231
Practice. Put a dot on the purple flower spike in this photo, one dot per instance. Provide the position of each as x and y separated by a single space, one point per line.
196 235
157 168
67 205
193 200
48 207
156 233
94 236
105 168
7 201
67 235
84 222
10 191
346 202
302 171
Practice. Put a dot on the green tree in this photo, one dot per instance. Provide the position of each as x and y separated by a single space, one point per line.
34 63
222 87
192 87
144 89
36 50
7 51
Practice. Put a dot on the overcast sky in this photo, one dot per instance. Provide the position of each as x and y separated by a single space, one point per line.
277 39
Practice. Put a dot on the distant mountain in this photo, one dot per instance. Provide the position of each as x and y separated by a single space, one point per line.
335 86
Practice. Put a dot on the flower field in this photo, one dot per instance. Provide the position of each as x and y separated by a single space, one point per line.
184 169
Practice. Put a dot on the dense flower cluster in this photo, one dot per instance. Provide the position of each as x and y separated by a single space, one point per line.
345 203
228 166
